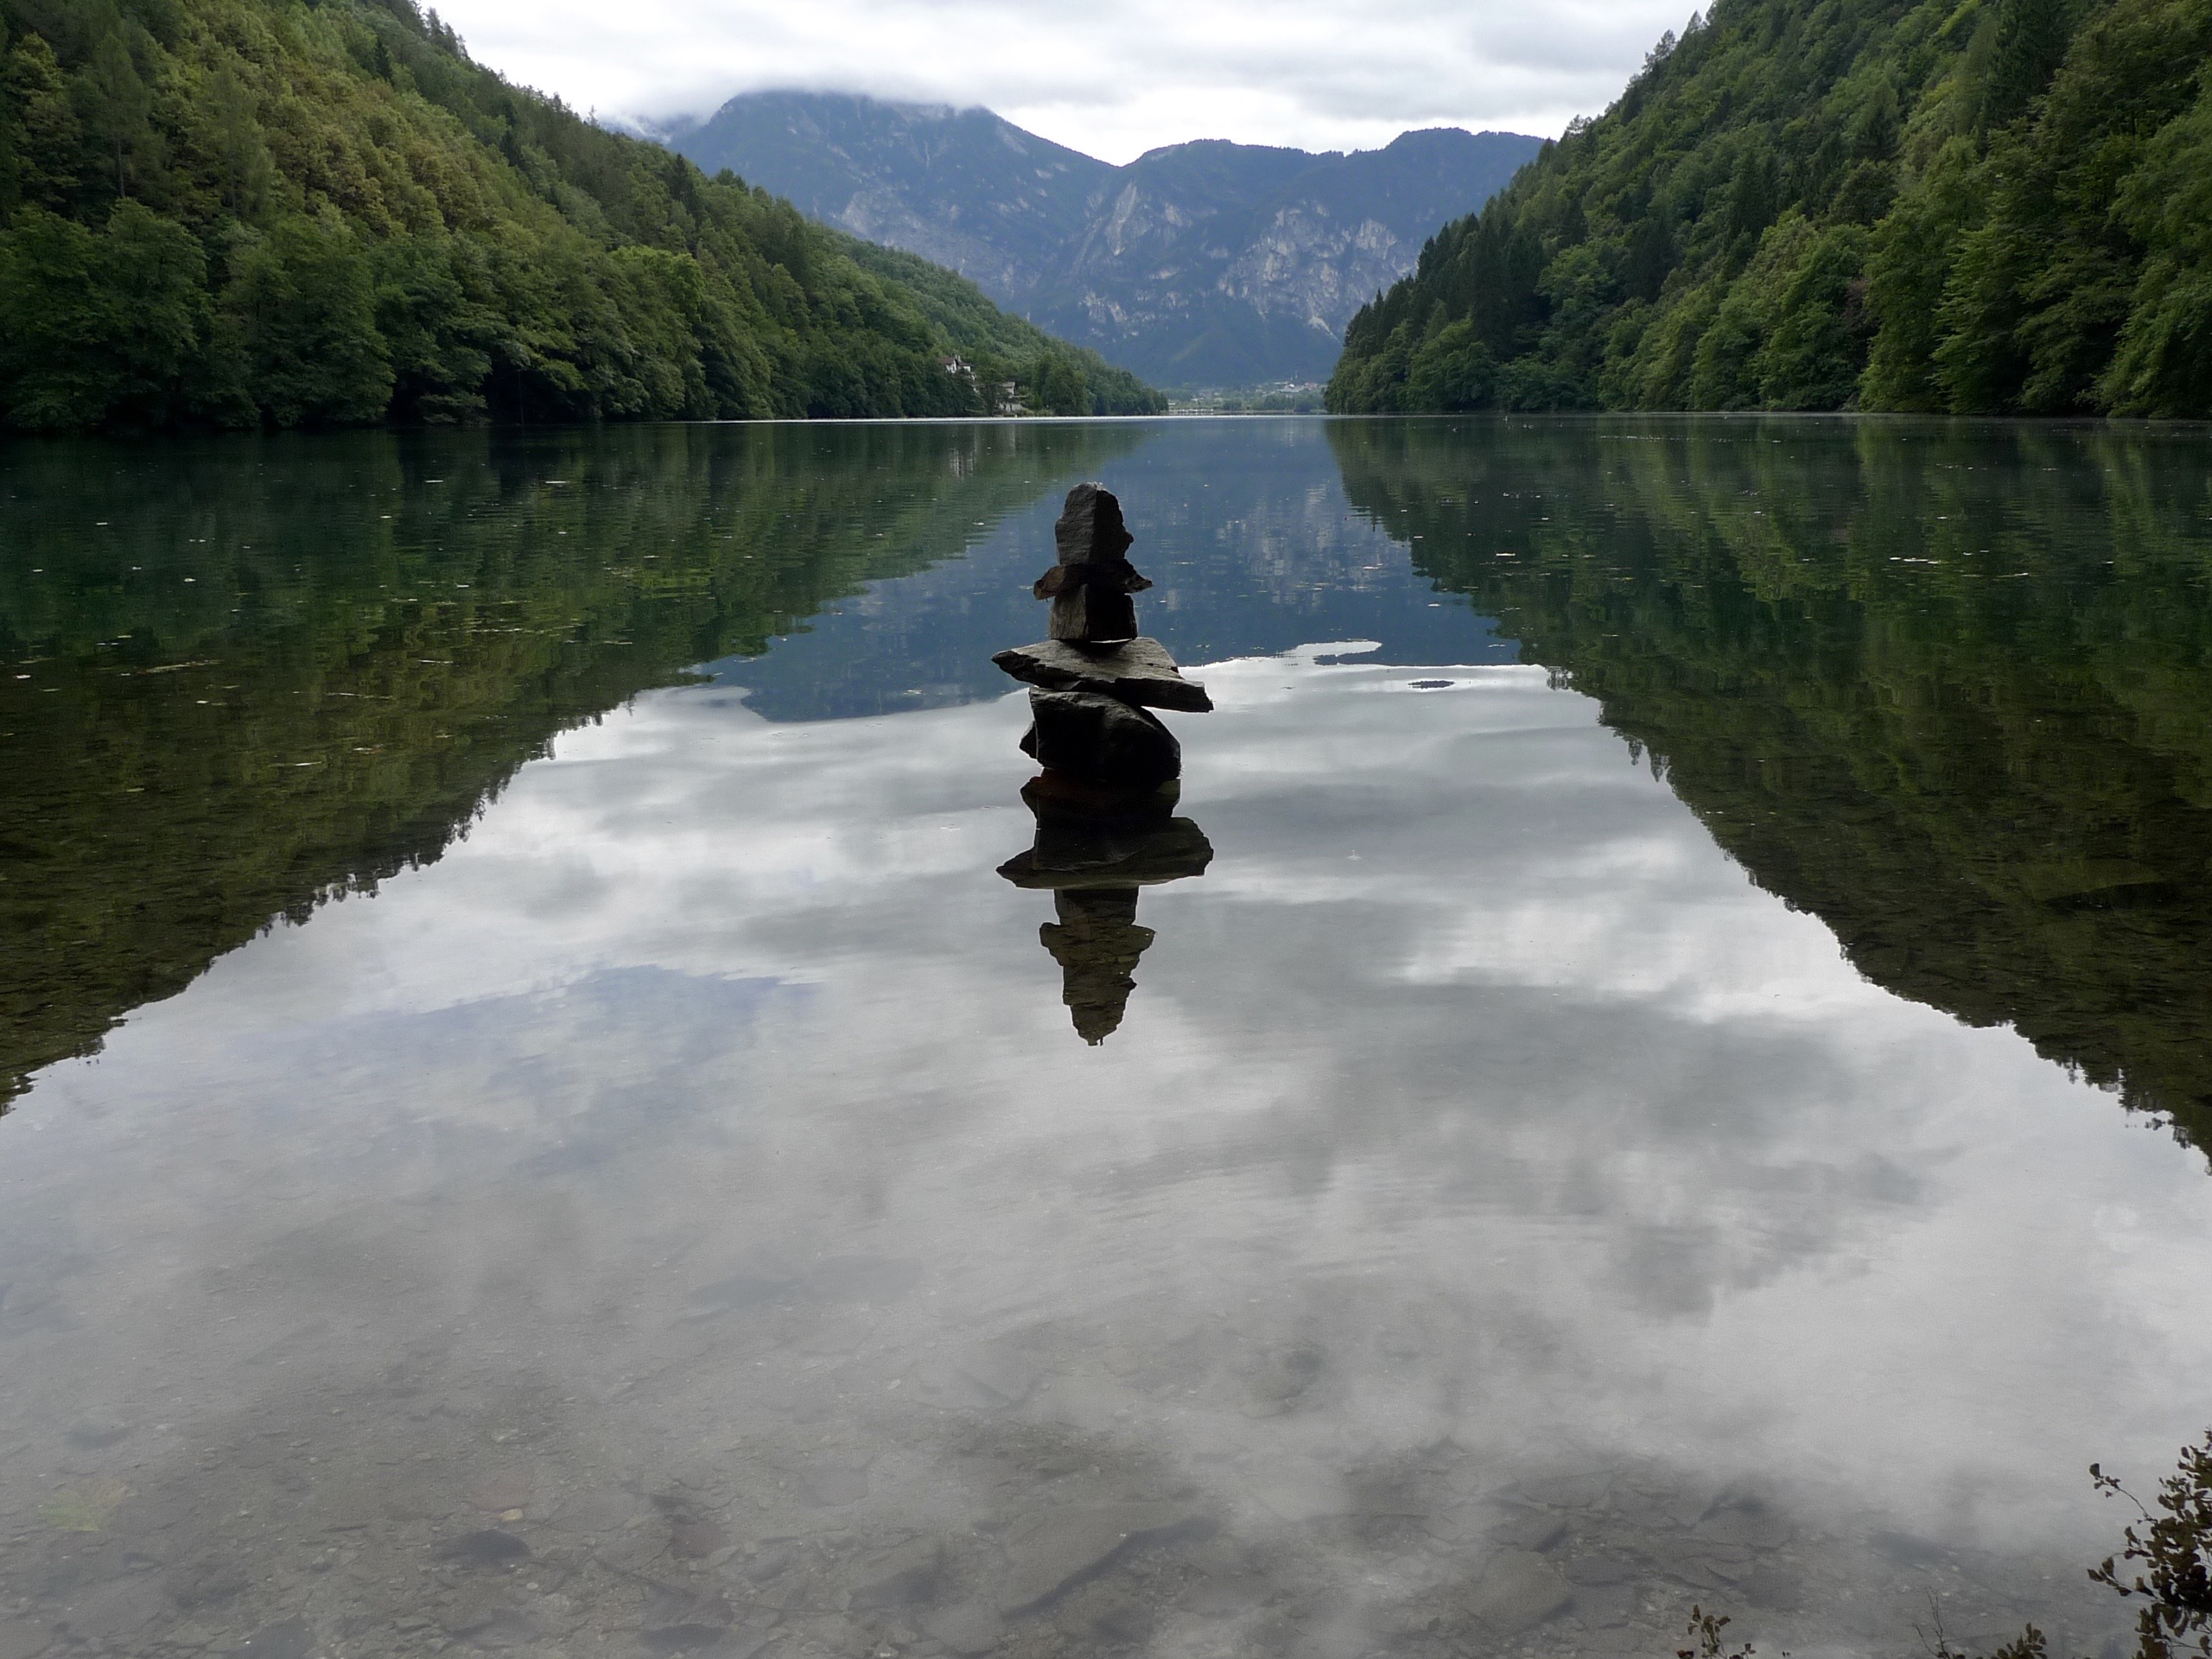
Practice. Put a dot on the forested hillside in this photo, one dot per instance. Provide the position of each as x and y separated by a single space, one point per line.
306 213
1998 207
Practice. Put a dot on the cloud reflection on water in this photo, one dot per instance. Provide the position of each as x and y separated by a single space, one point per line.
1472 1098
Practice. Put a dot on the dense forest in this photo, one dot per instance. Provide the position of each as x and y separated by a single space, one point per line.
254 688
223 213
1948 687
1977 206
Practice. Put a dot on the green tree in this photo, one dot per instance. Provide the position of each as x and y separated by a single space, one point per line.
243 169
40 135
303 301
121 108
394 232
1453 370
439 323
106 329
2020 178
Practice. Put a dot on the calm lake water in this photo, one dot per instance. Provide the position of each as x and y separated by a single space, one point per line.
537 1124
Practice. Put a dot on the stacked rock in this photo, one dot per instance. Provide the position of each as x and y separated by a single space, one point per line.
1097 680
1105 799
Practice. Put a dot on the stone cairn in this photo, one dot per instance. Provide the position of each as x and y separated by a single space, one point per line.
1105 799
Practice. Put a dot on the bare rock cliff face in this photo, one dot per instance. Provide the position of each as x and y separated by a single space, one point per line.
1201 264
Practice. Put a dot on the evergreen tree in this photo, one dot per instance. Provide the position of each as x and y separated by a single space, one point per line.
1993 207
343 219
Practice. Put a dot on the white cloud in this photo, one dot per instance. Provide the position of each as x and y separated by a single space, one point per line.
1113 79
1471 1062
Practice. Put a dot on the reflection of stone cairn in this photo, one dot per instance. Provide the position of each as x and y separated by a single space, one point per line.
1093 857
1104 799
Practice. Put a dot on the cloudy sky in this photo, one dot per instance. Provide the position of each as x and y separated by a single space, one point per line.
1113 78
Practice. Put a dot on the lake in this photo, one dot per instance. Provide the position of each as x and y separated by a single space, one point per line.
1665 1059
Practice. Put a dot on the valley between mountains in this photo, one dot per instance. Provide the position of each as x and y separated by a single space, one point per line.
1201 264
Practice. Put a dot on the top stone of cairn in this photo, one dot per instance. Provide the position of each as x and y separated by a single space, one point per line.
1090 585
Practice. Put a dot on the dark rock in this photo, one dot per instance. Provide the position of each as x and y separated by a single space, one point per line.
1519 1590
1062 797
1093 611
205 1581
695 1538
1283 1377
1002 1370
769 1562
1684 1560
1534 1530
1225 1597
1772 1589
93 1434
1049 1554
505 1628
1566 1492
682 1638
1090 529
490 1548
966 1629
1748 1522
1090 585
1599 1569
671 1604
1101 739
834 1488
902 1577
117 1612
291 1640
1122 1623
1904 1548
1605 1605
1110 854
1138 670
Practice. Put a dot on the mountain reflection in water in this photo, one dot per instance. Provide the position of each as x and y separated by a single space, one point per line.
672 1217
1949 687
252 678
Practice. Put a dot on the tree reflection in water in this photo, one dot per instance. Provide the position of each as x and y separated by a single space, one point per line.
1947 686
242 689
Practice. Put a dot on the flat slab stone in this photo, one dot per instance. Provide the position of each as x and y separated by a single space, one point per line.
1070 857
1137 672
1520 1589
1049 1554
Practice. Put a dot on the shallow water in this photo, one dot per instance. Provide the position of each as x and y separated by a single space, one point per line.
1679 1082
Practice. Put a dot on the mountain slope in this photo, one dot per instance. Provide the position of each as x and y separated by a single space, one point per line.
960 188
1988 206
1199 262
231 212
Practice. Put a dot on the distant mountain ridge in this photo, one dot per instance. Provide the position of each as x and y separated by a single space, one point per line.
1208 262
